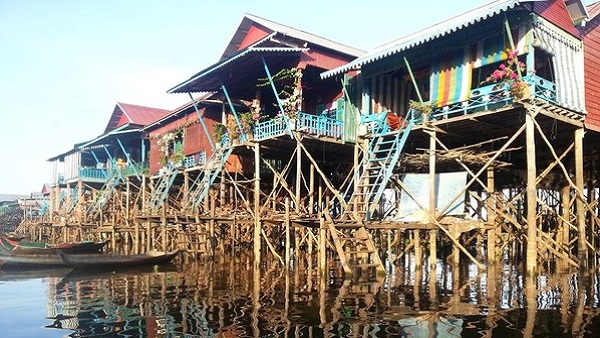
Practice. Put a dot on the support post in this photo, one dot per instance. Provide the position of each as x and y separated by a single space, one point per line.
531 259
257 225
580 201
491 217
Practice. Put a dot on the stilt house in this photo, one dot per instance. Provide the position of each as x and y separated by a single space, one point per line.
84 177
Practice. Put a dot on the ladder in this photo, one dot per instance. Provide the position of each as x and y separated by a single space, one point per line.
374 173
162 187
353 243
207 177
104 194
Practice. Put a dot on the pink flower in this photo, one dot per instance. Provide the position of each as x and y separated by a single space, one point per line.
502 66
513 54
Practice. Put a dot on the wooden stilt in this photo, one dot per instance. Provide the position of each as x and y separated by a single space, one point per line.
580 201
491 218
257 222
531 198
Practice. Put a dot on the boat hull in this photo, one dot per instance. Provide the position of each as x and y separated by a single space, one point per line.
31 260
116 260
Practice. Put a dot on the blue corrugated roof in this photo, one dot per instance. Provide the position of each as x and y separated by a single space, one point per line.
433 32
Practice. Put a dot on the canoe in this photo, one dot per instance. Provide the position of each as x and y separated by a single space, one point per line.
22 248
117 260
13 237
15 260
36 255
81 247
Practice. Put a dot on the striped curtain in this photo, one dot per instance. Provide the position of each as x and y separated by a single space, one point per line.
567 66
451 78
493 50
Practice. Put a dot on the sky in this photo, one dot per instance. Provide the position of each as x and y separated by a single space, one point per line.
64 64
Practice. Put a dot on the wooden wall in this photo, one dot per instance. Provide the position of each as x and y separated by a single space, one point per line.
591 46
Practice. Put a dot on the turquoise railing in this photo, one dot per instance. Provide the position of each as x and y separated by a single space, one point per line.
320 125
375 123
270 128
96 174
496 95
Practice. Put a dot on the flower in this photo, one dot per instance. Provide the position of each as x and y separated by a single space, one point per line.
510 72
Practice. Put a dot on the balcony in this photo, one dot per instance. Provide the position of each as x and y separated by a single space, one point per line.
318 125
92 174
494 96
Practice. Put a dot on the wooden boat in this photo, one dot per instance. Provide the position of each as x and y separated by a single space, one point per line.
22 248
15 260
80 247
117 260
13 237
28 255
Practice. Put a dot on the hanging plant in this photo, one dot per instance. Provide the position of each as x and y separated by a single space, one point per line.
167 143
290 94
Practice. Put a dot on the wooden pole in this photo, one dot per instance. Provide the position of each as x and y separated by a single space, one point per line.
287 236
257 225
580 202
491 218
531 198
298 177
311 193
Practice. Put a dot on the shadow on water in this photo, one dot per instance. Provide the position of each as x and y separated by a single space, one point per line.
221 299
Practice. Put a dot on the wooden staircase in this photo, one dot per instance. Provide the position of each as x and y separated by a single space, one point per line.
104 195
352 241
161 190
201 185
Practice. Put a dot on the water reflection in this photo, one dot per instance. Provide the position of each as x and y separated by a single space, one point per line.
222 299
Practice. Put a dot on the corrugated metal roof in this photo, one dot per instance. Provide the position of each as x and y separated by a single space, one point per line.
433 32
135 114
250 50
289 31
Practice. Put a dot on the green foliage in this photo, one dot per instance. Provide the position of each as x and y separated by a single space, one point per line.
219 130
423 107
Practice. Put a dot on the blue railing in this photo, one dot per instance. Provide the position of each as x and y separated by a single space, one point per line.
270 128
375 123
320 125
95 174
496 95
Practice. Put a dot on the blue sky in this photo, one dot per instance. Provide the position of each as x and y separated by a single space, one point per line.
65 64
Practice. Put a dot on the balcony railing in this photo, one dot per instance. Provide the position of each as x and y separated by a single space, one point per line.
270 128
319 125
93 174
496 95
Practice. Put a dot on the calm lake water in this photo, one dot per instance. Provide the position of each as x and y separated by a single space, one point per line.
223 298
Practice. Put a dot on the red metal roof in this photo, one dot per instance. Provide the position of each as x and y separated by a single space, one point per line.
125 113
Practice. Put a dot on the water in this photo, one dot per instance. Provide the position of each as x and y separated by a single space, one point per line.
224 298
